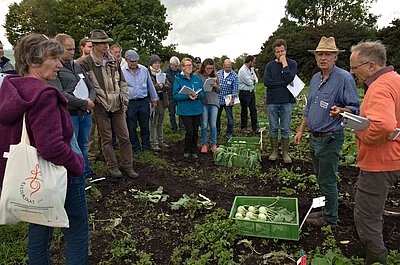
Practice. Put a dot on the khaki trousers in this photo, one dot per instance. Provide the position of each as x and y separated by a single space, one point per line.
117 121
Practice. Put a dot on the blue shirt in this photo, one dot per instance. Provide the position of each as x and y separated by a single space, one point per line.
228 85
245 76
186 106
338 89
139 83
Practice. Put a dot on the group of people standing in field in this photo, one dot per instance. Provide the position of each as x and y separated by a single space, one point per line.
64 100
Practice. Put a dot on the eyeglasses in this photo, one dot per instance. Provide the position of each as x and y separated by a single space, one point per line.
187 65
209 68
357 66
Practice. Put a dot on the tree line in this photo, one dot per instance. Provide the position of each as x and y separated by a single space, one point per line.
142 25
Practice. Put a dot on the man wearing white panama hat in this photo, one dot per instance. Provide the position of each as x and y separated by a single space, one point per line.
332 91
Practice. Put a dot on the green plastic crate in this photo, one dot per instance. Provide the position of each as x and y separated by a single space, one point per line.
252 143
287 231
223 157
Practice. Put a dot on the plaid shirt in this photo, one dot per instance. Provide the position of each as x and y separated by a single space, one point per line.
228 85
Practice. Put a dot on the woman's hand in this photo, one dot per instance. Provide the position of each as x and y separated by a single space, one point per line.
193 96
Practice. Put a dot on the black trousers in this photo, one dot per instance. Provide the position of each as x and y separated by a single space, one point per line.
248 101
191 124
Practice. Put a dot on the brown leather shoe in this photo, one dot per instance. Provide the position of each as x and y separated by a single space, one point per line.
115 172
316 222
315 215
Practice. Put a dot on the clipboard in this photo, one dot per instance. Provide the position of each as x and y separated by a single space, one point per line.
355 122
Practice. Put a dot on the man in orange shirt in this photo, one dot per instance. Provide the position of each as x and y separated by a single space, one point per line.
379 153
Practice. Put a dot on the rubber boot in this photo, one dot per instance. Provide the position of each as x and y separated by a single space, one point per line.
371 258
274 144
285 151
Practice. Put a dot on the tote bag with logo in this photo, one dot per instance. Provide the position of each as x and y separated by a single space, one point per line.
34 189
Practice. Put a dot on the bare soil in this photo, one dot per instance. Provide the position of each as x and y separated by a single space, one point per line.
160 237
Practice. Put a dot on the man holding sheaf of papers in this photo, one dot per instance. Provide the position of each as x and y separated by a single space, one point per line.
81 95
379 148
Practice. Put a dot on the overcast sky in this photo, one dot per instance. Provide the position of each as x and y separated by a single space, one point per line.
209 28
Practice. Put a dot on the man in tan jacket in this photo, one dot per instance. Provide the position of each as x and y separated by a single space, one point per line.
111 103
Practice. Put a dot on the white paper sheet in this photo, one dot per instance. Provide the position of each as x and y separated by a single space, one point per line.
81 91
208 84
296 86
228 100
160 78
187 90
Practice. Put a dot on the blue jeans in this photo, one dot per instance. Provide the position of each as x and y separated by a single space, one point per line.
82 125
325 152
210 113
229 116
139 114
279 116
76 236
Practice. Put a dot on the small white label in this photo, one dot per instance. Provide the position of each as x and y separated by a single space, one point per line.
323 104
6 154
81 76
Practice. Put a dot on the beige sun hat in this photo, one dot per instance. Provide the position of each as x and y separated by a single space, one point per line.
326 45
99 36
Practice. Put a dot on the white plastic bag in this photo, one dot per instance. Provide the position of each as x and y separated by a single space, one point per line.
34 189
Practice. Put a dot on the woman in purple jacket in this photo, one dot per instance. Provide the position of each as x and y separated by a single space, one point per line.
50 130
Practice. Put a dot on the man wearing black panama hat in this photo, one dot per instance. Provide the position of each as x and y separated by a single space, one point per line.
105 74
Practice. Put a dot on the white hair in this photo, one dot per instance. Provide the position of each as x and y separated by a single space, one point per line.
174 60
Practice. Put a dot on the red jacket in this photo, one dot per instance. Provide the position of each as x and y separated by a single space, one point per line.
381 105
49 124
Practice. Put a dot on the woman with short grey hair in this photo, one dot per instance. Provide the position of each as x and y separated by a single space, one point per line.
50 130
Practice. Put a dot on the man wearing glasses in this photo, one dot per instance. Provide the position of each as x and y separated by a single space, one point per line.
379 146
332 91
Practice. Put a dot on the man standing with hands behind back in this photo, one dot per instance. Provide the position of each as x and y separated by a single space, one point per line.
105 74
332 91
379 153
278 74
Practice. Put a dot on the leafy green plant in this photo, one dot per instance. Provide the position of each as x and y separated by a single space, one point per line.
150 196
393 257
237 157
209 243
294 181
276 257
330 257
126 250
192 204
